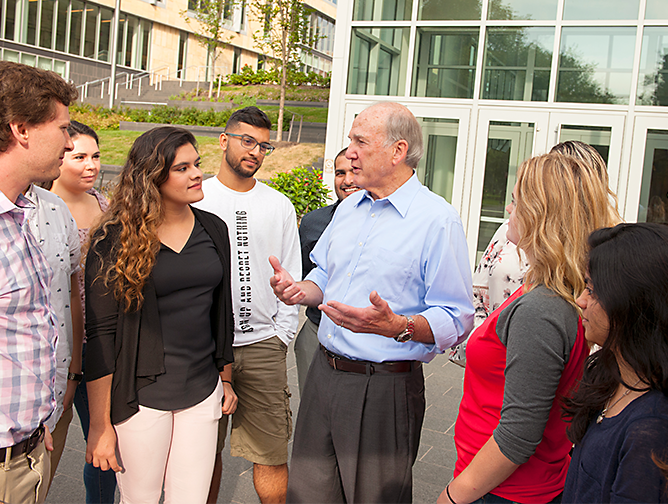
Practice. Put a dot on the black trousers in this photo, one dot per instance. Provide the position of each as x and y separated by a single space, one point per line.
357 436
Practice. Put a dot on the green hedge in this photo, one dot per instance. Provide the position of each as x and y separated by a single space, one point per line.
249 77
104 118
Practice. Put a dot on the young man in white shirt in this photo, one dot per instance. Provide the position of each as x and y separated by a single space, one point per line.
262 222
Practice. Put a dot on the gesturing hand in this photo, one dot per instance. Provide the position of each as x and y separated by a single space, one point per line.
285 287
378 318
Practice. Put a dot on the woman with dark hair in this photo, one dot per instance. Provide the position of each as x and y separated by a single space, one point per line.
75 186
511 441
619 412
159 326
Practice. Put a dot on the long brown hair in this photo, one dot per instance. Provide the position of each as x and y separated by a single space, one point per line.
136 212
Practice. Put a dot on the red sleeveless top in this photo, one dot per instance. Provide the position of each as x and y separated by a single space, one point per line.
542 477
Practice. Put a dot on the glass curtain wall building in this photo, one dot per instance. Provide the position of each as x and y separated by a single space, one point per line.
496 81
73 27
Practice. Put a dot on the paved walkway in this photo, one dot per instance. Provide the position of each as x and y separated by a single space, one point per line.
433 469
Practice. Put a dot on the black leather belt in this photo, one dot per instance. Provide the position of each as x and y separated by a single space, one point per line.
341 363
25 446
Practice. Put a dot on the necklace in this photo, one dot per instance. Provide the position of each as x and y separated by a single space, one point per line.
600 417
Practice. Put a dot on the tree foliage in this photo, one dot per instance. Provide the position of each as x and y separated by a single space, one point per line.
212 31
284 32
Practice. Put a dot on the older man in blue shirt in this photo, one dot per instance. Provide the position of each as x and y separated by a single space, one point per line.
401 248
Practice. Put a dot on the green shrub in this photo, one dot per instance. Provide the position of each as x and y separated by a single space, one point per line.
98 118
248 77
303 187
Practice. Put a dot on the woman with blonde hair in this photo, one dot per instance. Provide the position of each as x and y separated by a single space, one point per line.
511 441
159 325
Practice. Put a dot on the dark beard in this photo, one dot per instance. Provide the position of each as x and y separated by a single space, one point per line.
235 164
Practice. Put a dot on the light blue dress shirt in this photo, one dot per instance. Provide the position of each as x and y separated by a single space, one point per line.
411 248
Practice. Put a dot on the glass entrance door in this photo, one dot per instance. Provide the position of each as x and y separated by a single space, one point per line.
648 180
604 132
504 140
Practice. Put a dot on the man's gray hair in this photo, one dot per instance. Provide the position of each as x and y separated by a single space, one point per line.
401 124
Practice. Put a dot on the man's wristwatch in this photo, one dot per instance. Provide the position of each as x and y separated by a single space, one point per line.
406 334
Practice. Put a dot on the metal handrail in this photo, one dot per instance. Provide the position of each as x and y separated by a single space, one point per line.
292 121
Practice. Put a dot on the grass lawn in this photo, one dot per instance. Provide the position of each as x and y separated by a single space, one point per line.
311 114
115 145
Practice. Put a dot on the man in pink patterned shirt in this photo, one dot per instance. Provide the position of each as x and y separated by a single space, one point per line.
33 141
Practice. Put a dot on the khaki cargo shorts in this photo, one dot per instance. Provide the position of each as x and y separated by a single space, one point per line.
262 423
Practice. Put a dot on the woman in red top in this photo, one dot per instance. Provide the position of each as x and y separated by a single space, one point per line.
511 442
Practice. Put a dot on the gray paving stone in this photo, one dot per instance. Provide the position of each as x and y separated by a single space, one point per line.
432 470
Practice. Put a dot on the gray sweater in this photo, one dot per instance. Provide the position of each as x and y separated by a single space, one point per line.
539 330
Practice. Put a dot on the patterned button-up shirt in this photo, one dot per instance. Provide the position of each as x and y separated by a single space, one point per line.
27 328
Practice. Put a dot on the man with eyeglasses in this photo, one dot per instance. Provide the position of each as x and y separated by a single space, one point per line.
262 222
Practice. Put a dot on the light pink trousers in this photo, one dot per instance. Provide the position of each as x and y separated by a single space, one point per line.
177 447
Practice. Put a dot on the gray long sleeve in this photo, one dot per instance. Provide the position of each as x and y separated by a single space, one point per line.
539 330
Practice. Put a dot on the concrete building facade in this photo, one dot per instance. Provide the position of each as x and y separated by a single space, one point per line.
74 38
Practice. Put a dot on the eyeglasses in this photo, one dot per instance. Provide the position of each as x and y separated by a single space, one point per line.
249 143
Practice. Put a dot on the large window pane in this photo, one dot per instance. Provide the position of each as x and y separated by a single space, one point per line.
61 25
131 40
60 67
382 10
445 62
601 9
46 23
517 63
449 10
378 61
508 144
595 64
437 167
28 59
44 63
522 9
31 33
656 9
653 79
91 30
120 47
10 21
145 45
596 136
12 56
654 190
106 18
76 26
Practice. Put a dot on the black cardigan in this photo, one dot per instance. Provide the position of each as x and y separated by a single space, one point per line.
129 344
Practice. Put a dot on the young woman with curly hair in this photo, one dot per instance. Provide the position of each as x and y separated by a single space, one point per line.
510 438
619 412
159 325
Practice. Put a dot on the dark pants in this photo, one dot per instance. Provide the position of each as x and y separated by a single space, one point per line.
357 436
100 485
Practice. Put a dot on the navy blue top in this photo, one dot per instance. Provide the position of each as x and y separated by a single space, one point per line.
312 226
613 462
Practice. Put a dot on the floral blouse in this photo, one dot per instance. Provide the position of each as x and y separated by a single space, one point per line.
499 274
